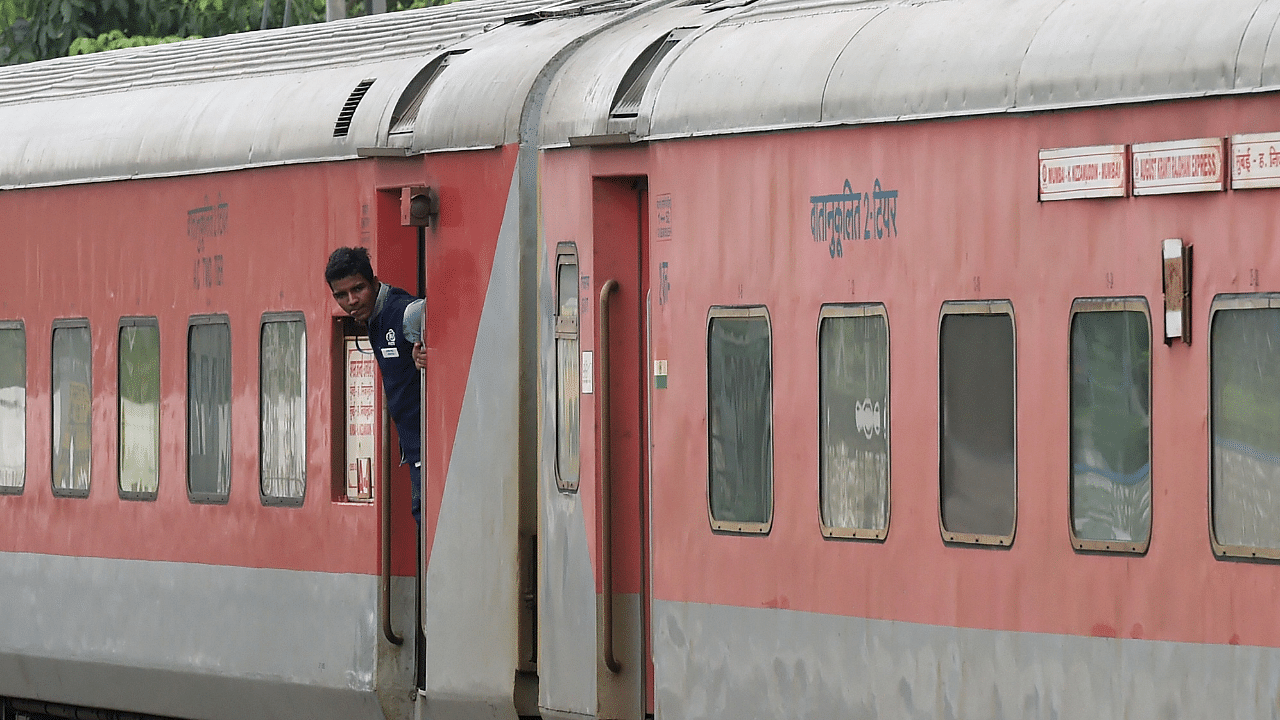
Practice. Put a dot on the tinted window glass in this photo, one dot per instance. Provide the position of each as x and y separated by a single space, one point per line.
740 399
853 359
283 407
139 408
977 424
568 426
209 409
72 408
1245 426
13 406
1111 427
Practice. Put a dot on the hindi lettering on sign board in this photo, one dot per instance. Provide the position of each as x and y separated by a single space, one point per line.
1180 166
1083 172
1255 161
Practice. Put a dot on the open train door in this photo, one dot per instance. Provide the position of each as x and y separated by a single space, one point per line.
620 251
595 651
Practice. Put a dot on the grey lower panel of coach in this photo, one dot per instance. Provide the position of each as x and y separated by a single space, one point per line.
187 640
729 662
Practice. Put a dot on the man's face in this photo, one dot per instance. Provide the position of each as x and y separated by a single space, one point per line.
355 295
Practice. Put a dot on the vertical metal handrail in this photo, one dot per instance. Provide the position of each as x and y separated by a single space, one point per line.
606 492
384 495
419 635
646 500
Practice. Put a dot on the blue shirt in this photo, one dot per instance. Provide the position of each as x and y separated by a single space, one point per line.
394 353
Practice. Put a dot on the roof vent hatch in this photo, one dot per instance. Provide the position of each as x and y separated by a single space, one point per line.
626 102
406 112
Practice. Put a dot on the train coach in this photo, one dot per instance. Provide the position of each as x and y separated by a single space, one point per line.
785 358
203 516
914 359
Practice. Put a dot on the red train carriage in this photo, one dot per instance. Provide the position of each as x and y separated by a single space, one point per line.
915 404
190 495
784 358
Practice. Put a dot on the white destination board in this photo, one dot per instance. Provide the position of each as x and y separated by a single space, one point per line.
1255 161
1083 172
1179 166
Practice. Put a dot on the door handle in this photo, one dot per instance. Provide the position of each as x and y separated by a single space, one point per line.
606 491
384 493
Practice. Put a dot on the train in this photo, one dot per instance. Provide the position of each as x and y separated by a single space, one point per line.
783 358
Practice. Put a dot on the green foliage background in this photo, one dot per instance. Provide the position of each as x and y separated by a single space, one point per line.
43 29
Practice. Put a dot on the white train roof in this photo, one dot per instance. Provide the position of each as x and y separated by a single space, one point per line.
479 73
775 64
301 94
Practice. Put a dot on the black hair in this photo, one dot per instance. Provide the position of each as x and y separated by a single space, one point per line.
348 261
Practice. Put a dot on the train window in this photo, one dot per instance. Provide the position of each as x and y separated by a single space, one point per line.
568 378
72 407
1244 425
283 408
13 406
853 421
139 410
740 419
977 389
208 408
1111 424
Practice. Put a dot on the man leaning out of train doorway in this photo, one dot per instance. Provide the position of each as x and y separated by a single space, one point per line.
394 320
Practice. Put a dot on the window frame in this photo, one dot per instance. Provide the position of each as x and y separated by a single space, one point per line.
566 328
1106 304
26 377
289 316
736 526
847 310
68 324
1229 301
202 497
978 307
134 321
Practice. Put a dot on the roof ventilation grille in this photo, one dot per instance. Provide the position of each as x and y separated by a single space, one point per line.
343 125
626 103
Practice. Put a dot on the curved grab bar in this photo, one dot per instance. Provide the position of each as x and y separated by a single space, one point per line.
384 494
606 492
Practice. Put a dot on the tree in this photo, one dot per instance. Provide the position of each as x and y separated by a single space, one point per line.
115 40
43 29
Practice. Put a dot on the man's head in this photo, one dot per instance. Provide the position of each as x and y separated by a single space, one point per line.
350 277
